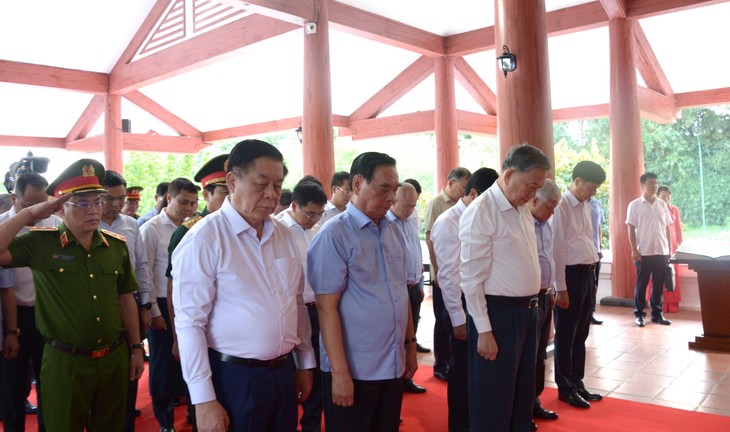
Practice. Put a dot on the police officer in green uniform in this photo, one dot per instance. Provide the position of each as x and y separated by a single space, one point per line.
84 307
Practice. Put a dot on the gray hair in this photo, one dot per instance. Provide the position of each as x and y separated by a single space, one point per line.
525 157
548 192
459 173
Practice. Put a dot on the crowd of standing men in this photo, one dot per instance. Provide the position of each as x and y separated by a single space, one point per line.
248 314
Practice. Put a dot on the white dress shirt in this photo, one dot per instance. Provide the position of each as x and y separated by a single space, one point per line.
238 295
127 226
572 236
303 238
651 221
329 212
446 246
156 236
498 253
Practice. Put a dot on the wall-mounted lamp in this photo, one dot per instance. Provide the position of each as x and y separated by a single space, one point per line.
507 61
299 132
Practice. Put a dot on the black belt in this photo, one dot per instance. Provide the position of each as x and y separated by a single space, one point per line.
311 305
583 267
271 364
526 302
96 353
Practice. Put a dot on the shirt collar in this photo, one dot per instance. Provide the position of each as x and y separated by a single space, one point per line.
445 196
571 198
289 221
362 220
500 198
66 237
240 225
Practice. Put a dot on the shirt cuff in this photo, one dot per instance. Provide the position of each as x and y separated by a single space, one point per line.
561 286
201 392
155 310
457 318
483 324
305 359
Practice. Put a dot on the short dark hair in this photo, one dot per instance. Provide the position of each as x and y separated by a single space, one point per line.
481 180
590 172
339 178
113 178
306 192
525 157
285 198
161 189
181 184
459 173
29 179
646 176
311 179
415 184
664 188
245 153
365 164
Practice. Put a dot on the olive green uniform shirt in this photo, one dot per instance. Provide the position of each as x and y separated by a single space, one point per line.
178 235
77 291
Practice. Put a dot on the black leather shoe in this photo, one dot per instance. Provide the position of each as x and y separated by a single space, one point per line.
30 408
442 375
585 394
660 320
410 387
538 411
595 321
422 349
639 321
533 427
574 399
137 412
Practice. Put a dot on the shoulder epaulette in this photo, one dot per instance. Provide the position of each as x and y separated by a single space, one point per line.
192 221
114 235
42 228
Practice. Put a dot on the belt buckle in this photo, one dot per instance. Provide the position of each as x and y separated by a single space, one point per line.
100 353
533 303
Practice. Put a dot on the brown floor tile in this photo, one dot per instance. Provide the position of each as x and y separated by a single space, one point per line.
643 378
639 389
630 397
721 412
614 374
717 402
601 384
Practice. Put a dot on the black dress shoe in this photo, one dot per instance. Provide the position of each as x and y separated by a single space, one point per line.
660 320
595 321
410 387
538 411
533 427
30 408
442 375
422 349
585 394
574 399
137 412
639 321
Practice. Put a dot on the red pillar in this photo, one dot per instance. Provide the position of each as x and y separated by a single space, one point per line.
524 108
445 127
317 135
627 151
113 140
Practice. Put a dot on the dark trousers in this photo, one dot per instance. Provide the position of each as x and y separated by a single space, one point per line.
165 372
457 394
650 266
502 391
129 415
545 315
311 420
15 380
257 399
441 348
376 408
415 296
597 277
571 329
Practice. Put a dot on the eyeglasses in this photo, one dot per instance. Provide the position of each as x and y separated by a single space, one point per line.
313 215
346 192
111 199
86 205
462 187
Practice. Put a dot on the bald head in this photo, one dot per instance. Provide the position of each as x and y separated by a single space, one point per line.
406 199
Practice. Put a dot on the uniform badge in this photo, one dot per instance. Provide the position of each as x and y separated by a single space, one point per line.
64 239
60 257
87 170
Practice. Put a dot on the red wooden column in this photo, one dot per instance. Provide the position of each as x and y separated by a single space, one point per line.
317 136
524 108
445 127
113 140
627 151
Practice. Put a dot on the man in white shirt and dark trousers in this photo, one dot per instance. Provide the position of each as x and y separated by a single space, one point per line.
575 264
500 277
446 246
242 326
648 220
307 208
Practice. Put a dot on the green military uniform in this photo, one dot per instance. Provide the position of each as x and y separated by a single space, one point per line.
85 367
178 235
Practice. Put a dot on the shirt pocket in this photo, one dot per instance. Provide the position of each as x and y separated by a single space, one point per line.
290 275
66 272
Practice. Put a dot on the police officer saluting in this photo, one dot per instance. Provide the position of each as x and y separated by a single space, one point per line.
84 304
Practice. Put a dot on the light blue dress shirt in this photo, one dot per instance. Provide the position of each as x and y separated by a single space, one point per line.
544 234
408 229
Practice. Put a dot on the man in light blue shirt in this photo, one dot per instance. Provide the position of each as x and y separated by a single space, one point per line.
356 267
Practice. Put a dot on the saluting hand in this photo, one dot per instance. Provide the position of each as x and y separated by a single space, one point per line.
343 390
45 209
487 346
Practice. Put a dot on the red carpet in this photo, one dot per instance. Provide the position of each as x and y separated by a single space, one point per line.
427 413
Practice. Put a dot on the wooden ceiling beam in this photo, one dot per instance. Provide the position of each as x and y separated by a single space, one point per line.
55 77
580 113
252 129
467 121
395 89
614 8
143 31
657 107
422 121
475 86
29 141
295 12
210 47
88 118
90 144
162 143
158 111
720 96
648 65
646 8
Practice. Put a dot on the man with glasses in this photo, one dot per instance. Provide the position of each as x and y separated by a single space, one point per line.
454 189
307 208
113 200
85 308
341 193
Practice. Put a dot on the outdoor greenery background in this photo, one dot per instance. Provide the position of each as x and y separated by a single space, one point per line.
671 151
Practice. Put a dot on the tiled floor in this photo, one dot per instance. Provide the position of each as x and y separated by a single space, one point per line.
652 364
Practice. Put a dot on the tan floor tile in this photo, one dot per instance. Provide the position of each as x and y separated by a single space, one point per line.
630 397
672 404
626 365
692 385
670 371
601 384
725 413
639 389
723 388
681 396
717 402
644 378
614 374
698 375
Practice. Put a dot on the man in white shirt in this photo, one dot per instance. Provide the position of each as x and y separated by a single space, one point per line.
341 193
30 189
182 202
160 203
648 220
446 246
241 322
307 208
575 264
500 277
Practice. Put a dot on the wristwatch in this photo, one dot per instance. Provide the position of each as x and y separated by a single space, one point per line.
410 340
137 346
15 331
147 305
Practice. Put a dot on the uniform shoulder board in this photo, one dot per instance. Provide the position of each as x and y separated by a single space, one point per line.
192 221
42 228
114 235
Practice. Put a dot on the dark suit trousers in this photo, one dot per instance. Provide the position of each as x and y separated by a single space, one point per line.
545 309
571 329
650 266
457 390
311 420
376 408
164 370
441 348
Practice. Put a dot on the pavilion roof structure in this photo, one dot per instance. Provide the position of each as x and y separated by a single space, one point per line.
193 72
